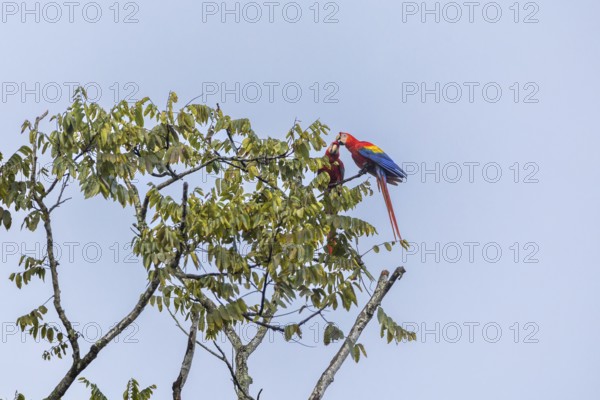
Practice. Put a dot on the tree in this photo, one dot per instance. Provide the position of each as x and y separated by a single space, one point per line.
249 249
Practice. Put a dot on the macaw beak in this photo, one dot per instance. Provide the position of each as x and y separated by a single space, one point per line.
334 148
338 139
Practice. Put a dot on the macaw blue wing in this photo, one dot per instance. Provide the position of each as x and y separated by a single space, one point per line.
342 169
377 156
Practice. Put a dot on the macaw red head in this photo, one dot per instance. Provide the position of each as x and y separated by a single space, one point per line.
343 137
333 150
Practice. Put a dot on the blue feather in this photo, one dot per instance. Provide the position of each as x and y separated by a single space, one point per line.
384 161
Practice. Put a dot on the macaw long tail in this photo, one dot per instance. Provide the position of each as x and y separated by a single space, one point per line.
382 185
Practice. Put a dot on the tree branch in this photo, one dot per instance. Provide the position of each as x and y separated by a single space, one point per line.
267 318
360 173
79 364
231 334
262 329
53 263
60 201
259 177
264 289
221 357
34 149
232 372
139 212
175 178
187 358
197 341
76 368
383 286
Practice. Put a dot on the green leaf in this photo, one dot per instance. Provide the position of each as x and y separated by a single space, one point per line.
332 334
50 335
355 353
391 330
290 330
6 219
139 115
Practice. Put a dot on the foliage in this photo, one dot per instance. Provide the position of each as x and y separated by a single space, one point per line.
391 330
236 251
132 391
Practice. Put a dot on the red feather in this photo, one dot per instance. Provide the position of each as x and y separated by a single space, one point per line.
383 188
336 174
336 166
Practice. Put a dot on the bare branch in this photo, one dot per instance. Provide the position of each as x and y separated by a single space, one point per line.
53 263
188 357
51 187
60 201
314 314
76 368
383 286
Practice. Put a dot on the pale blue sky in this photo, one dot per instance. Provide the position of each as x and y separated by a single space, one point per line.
360 65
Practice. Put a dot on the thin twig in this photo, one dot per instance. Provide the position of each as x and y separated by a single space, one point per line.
59 201
232 372
202 345
377 245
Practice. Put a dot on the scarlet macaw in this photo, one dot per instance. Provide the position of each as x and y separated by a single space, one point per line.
336 166
336 175
371 158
